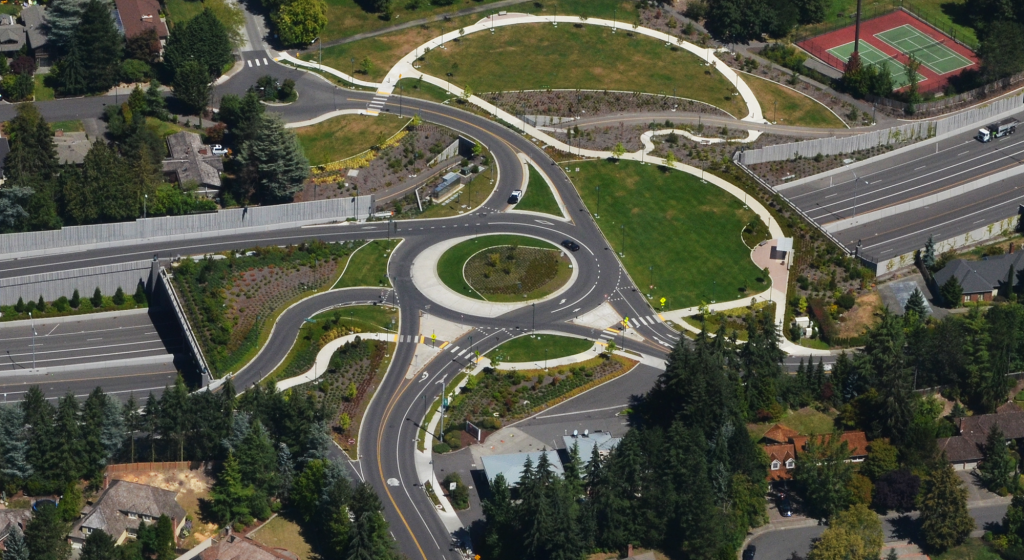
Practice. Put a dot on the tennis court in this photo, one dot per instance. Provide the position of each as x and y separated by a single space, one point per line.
871 56
933 54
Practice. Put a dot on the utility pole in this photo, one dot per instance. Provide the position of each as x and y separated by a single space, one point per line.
33 340
856 32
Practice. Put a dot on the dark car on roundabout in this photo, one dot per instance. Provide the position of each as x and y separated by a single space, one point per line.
571 245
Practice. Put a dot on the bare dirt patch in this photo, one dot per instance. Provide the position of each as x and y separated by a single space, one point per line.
861 316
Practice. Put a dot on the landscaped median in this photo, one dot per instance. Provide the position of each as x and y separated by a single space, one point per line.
369 265
539 196
504 268
539 347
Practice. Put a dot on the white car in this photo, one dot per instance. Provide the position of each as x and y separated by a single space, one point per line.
219 150
516 195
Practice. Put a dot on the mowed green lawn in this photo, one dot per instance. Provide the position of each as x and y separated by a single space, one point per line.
528 348
368 266
451 263
541 56
538 197
687 230
793 108
345 136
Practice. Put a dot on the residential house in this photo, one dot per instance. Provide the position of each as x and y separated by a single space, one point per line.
191 161
982 280
783 445
966 449
134 17
236 547
11 518
12 34
122 507
72 147
34 19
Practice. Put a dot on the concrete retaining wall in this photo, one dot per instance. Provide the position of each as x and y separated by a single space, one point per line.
53 285
236 220
973 237
849 144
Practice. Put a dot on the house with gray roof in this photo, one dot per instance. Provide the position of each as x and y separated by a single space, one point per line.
11 518
982 280
192 161
966 449
122 507
12 34
34 19
72 147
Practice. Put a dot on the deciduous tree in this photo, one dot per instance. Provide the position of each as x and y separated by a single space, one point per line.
299 22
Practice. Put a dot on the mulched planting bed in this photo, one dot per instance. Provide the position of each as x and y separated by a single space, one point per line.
606 137
495 397
778 172
588 103
506 273
230 300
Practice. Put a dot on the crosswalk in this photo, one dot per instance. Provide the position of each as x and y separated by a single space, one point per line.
250 62
377 103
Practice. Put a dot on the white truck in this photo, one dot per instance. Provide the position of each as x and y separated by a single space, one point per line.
996 130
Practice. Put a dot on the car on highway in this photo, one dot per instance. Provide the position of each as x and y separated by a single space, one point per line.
571 245
515 196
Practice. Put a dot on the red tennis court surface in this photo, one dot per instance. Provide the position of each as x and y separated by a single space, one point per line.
820 47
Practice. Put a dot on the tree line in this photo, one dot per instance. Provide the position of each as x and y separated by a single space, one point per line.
272 450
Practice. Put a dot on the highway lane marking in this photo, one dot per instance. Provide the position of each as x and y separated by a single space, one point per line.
83 395
962 153
620 406
94 347
103 378
53 329
943 223
79 332
920 168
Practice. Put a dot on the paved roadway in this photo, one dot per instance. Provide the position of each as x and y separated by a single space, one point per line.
85 340
911 175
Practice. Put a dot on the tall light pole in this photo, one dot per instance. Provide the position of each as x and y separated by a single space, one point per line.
33 339
598 213
440 432
145 198
534 305
622 253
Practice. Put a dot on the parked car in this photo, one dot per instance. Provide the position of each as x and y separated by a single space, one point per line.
786 507
748 553
219 150
571 245
516 195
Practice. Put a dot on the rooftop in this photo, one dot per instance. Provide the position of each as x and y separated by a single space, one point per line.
136 16
603 441
35 25
511 465
11 518
235 547
191 160
124 505
12 34
982 276
71 147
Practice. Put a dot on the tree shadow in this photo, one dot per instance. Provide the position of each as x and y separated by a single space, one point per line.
906 528
959 12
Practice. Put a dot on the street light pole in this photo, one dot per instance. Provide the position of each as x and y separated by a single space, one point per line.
534 305
145 198
33 340
598 213
622 253
441 408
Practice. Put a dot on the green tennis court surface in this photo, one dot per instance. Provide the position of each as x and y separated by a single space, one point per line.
933 54
874 57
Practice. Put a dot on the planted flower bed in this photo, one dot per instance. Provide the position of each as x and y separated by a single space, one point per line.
496 397
231 300
354 372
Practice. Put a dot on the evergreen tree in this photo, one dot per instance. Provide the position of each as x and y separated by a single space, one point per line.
952 292
45 534
916 305
361 545
15 547
97 296
99 546
257 460
823 473
273 162
998 466
70 506
1013 521
761 359
132 419
97 35
945 521
230 497
14 465
62 18
75 300
242 114
67 462
883 458
885 351
501 527
71 73
192 85
928 256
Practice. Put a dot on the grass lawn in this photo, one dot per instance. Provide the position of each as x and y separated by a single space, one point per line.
368 266
67 126
542 56
794 108
163 129
42 91
282 533
10 9
422 90
527 348
346 136
451 263
687 230
813 343
539 197
180 11
805 421
972 549
347 17
947 15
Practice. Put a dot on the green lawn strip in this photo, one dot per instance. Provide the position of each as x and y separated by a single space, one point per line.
67 126
793 107
528 348
7 312
345 136
368 266
541 56
366 318
180 11
814 343
538 197
451 263
10 9
283 533
42 92
687 230
422 435
805 421
421 90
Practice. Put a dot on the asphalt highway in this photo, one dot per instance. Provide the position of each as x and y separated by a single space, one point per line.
83 341
120 382
914 174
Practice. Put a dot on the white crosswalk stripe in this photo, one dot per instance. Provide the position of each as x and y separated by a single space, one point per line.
377 103
453 349
641 321
462 352
654 319
265 63
605 335
250 63
257 62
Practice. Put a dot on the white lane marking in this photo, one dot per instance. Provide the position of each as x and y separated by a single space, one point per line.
93 339
250 63
53 329
265 63
561 302
943 223
582 411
